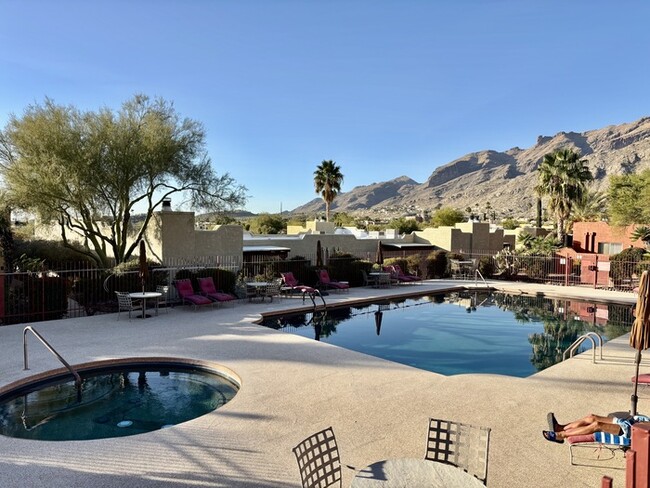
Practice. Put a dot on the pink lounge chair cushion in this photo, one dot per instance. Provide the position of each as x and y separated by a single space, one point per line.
325 279
186 292
210 291
578 439
290 281
220 296
643 378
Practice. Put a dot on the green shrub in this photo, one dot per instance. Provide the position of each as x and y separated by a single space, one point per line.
626 263
486 266
437 264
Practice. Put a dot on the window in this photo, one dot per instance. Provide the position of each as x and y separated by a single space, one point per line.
609 247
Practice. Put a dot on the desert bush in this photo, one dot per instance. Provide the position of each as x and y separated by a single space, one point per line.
437 264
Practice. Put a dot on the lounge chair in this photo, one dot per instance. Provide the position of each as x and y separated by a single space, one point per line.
403 277
209 290
325 282
186 293
603 444
291 284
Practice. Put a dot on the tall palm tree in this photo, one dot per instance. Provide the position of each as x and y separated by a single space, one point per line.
563 177
327 181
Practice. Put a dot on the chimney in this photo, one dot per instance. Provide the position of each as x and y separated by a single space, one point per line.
167 205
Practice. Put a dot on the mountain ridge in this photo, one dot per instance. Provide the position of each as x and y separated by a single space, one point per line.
504 179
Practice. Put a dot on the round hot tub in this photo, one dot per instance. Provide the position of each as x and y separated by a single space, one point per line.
116 398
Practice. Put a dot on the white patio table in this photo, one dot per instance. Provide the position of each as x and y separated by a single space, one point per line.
138 295
411 472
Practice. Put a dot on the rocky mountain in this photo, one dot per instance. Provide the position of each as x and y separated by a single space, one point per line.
505 180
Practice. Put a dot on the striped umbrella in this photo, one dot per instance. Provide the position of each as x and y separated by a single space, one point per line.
640 334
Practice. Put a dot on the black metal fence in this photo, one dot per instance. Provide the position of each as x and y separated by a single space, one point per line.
82 290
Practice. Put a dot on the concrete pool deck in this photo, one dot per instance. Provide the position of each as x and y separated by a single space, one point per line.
293 387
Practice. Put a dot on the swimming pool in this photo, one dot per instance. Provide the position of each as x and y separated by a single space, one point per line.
461 332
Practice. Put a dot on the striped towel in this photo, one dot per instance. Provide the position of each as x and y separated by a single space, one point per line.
617 440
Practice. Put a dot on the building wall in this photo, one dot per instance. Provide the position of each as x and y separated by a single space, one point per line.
467 237
588 236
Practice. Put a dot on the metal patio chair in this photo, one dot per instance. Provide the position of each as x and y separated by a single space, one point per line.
126 303
462 445
318 460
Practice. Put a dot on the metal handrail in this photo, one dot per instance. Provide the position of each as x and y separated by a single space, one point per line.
589 335
477 273
77 378
314 293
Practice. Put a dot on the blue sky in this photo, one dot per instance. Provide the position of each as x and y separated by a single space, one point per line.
384 88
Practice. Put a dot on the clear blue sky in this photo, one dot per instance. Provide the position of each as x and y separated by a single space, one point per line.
384 88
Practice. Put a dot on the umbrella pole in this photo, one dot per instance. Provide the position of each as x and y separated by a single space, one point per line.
635 398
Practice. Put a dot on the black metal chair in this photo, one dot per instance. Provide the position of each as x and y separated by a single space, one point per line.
318 460
462 445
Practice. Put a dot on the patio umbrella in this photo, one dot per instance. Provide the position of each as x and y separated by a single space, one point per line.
144 269
379 256
640 334
319 254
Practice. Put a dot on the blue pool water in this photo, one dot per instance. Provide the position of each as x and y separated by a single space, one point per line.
462 333
121 401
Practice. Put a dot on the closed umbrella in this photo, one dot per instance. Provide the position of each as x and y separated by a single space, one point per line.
379 256
144 269
378 316
640 334
319 254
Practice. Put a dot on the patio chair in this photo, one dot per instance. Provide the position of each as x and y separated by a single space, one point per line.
318 460
273 289
126 303
164 298
372 281
325 282
291 284
186 293
209 290
462 445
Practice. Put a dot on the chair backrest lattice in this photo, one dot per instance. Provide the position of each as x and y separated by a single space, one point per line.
318 460
462 445
124 300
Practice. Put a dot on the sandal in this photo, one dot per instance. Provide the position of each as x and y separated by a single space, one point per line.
552 436
552 422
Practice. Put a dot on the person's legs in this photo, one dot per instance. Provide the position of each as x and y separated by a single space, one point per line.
585 421
586 425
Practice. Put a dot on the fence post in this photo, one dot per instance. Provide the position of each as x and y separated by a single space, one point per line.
596 272
641 447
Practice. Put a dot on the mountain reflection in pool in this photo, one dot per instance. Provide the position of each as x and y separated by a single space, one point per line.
459 333
122 401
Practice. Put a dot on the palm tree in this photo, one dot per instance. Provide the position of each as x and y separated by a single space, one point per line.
562 177
327 181
591 206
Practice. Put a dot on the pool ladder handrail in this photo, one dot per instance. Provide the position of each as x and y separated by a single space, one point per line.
77 378
589 335
478 274
313 294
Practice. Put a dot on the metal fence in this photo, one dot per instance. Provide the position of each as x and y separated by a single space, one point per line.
81 290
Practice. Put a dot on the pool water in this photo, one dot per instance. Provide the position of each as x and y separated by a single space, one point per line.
459 333
121 402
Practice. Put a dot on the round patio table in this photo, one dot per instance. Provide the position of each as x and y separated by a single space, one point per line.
411 472
138 295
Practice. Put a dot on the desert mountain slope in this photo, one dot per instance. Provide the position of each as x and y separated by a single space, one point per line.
504 179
